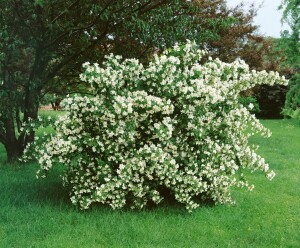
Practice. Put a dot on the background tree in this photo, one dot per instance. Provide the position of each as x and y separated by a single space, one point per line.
227 33
291 39
270 57
242 40
44 43
290 43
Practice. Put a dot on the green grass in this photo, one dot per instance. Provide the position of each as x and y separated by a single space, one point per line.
53 114
37 213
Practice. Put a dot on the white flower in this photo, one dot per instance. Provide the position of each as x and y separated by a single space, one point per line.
271 175
176 123
251 106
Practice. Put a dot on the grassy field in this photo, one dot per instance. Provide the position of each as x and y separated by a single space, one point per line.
37 213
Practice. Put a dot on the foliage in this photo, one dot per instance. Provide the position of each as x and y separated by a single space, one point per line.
291 15
291 44
266 54
44 43
175 125
250 101
271 100
291 114
293 96
243 41
292 103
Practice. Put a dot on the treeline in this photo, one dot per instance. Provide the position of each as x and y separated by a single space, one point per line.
44 43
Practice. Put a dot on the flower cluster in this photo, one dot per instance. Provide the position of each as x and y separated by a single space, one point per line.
175 125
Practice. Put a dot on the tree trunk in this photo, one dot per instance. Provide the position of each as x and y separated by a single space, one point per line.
13 148
15 145
9 136
32 93
31 112
13 151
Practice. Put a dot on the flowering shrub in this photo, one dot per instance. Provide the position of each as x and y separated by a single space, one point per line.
174 125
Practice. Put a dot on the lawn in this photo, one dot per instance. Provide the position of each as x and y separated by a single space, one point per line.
37 213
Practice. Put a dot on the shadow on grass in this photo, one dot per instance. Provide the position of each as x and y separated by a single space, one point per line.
50 193
21 188
53 194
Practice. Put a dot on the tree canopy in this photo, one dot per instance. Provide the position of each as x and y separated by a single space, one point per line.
291 39
44 43
290 43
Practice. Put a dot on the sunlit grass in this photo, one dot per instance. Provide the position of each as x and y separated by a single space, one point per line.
38 213
51 113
